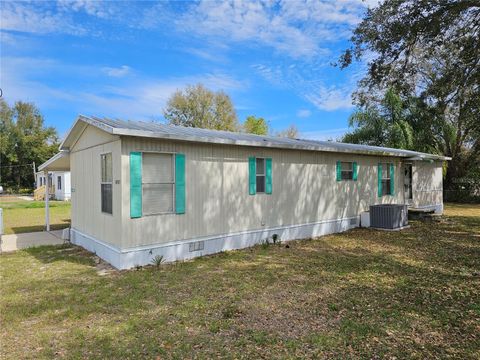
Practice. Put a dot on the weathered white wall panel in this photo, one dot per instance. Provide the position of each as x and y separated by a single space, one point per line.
92 136
86 196
427 183
305 190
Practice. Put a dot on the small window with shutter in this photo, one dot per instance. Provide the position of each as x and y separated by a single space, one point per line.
260 175
347 170
386 179
158 183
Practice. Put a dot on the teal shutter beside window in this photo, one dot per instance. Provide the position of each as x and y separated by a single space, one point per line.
355 171
392 179
252 176
268 178
379 180
339 170
135 184
180 183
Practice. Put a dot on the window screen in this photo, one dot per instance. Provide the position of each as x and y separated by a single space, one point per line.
158 184
59 182
106 182
386 179
260 173
347 170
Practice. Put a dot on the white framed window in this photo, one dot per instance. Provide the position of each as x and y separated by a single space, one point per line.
158 183
260 174
386 189
347 170
106 182
59 182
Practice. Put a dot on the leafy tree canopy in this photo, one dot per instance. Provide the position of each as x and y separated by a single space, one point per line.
383 125
428 52
23 140
197 106
255 125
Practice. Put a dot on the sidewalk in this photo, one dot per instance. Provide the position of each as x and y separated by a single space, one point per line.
21 241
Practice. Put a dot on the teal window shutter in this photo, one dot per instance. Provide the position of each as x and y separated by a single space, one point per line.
392 179
339 170
379 180
180 183
355 171
252 176
268 178
135 184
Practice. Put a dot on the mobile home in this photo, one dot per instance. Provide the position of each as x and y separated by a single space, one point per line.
139 189
58 183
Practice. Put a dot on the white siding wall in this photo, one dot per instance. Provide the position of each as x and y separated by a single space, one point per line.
305 190
427 184
66 186
85 184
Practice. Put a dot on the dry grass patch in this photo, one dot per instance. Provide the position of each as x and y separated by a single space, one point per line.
360 294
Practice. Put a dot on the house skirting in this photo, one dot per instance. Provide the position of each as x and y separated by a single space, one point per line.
191 248
437 209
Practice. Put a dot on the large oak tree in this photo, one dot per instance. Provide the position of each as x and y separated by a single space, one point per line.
428 52
197 106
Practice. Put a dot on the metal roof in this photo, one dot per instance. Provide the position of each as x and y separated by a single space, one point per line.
163 131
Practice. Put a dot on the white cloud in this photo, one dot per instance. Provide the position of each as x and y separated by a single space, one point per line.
330 98
99 9
299 29
117 72
304 113
295 28
38 18
306 81
135 98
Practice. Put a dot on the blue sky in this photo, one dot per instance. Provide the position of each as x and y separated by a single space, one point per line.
124 59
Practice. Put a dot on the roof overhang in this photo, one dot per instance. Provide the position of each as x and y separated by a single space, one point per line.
58 162
428 159
83 121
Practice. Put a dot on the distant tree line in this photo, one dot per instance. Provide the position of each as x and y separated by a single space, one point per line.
24 140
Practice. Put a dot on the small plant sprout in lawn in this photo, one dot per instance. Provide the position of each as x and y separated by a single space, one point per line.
276 239
158 260
265 244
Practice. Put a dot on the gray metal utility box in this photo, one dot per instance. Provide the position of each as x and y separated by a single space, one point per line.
388 216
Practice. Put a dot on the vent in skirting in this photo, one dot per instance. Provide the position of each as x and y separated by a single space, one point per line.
196 246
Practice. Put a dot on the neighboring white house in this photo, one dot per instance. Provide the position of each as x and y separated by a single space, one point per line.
145 189
59 182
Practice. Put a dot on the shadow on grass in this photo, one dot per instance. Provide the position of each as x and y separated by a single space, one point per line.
66 252
364 293
35 228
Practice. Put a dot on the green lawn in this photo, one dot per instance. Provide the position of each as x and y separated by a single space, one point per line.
21 216
360 294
